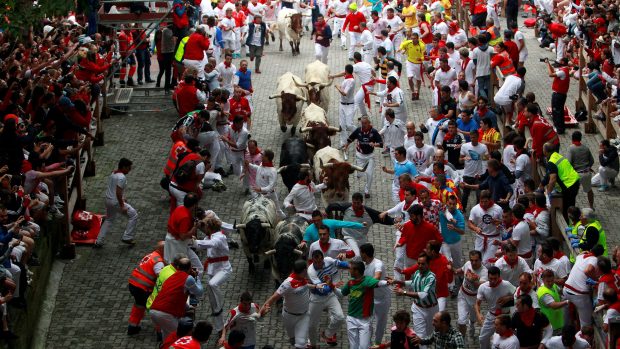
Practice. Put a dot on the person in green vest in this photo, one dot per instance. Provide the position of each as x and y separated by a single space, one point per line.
178 59
561 177
550 301
164 274
593 233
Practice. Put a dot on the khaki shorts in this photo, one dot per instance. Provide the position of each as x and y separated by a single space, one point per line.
586 181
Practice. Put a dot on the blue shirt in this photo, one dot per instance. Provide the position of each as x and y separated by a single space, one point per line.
405 167
5 238
466 127
451 236
312 233
489 115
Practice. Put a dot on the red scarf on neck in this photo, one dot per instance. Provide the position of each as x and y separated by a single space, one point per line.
267 164
324 246
348 76
506 334
577 143
237 128
482 111
303 182
499 282
243 69
491 202
226 64
297 281
558 254
117 171
358 213
407 205
527 317
512 265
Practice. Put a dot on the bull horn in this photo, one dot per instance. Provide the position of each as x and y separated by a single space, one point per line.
275 96
334 129
306 166
270 252
305 129
361 169
325 84
265 225
304 15
300 98
240 226
328 165
298 84
282 169
309 145
298 252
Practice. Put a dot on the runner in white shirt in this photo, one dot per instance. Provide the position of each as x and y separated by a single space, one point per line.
547 262
579 284
474 274
393 132
511 265
377 25
366 77
444 76
295 291
456 35
409 136
492 12
266 177
338 10
522 167
504 338
468 66
568 339
526 287
366 43
520 41
401 215
393 98
227 25
396 26
301 197
419 153
375 268
227 72
346 110
521 238
255 8
440 27
333 248
483 221
495 292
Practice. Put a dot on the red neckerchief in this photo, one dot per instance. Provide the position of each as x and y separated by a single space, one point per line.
389 90
587 255
558 254
482 111
117 171
226 64
506 334
303 182
256 21
229 17
527 317
320 28
297 281
244 310
407 205
445 71
615 306
243 69
512 265
519 76
367 130
324 246
464 63
358 213
348 76
577 143
374 20
237 128
267 164
355 281
491 203
499 282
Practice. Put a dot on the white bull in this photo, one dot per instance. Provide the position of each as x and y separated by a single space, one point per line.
288 96
316 130
329 162
257 228
316 75
290 28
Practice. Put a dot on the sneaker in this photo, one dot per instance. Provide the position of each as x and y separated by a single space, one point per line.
97 245
130 82
132 330
58 199
130 242
332 341
56 214
603 188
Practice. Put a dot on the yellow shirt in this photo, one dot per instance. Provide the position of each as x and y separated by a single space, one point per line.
415 53
412 21
491 136
447 5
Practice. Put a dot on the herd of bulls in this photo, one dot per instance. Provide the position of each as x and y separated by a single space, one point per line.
276 243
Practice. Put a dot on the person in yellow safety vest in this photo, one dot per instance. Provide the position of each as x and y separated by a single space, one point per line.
550 301
560 176
496 36
178 59
141 283
593 234
164 274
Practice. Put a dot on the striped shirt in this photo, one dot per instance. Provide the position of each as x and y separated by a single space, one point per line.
329 271
424 286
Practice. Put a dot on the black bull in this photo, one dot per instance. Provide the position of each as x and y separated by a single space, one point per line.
289 233
293 157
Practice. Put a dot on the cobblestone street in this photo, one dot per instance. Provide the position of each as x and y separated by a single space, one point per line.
93 303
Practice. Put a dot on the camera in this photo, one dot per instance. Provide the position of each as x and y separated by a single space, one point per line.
514 97
543 60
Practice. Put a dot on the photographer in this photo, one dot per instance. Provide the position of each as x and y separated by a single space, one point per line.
509 92
560 85
188 95
195 48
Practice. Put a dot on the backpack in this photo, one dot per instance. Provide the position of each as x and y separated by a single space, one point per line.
184 173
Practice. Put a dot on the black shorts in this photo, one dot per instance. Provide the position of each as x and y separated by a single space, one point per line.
479 20
140 296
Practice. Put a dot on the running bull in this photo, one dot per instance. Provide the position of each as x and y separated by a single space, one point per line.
316 75
315 128
293 158
332 165
258 219
288 96
289 234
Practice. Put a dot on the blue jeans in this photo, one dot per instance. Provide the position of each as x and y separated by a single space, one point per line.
484 84
144 64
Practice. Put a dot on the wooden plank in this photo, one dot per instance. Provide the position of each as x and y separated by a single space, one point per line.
118 18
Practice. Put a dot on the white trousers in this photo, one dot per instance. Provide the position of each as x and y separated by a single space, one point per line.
454 253
173 247
465 309
353 39
488 252
395 191
441 303
112 211
362 160
380 316
359 100
583 304
346 112
338 22
422 319
167 323
492 13
296 327
15 275
321 52
235 158
336 316
486 331
178 194
354 245
196 64
604 175
367 55
358 331
216 298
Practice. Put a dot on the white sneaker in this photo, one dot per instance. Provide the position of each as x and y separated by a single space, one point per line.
57 199
55 212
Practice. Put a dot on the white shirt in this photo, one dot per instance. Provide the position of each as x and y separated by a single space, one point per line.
258 9
296 299
363 71
484 218
615 51
474 162
302 198
510 87
409 142
469 278
523 165
318 276
431 124
378 26
336 247
470 77
396 96
483 61
532 293
521 233
380 293
556 343
265 178
577 277
492 294
522 47
216 246
459 38
445 78
509 154
421 157
559 270
116 179
227 75
511 274
387 44
505 343
400 210
227 25
366 40
393 133
441 28
244 322
240 138
395 24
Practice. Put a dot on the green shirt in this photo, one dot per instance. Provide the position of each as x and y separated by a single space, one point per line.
424 285
361 296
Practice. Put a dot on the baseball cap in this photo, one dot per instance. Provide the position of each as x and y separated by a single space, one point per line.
353 6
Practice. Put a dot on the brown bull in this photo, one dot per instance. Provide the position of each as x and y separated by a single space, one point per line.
317 135
332 165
